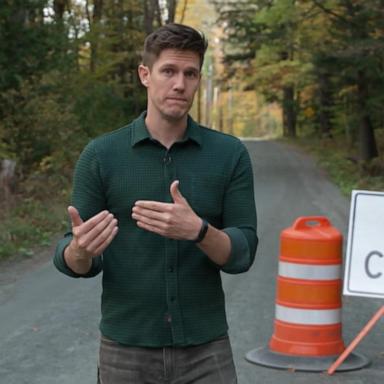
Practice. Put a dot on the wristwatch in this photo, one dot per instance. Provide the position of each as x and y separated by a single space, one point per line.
203 231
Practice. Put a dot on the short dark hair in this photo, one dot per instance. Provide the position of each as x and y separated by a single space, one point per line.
173 36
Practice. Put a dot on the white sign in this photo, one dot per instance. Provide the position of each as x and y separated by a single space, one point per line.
364 268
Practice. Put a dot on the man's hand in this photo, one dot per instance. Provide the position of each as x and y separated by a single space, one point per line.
174 220
178 221
90 238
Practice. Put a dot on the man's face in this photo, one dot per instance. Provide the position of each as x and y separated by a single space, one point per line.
171 83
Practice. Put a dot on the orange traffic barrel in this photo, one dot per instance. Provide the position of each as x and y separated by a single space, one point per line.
307 326
309 286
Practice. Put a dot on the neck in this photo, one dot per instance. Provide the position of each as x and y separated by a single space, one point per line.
167 132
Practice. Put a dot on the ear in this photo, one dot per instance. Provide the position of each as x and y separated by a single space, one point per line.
144 74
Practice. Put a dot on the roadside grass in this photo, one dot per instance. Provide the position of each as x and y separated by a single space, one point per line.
341 164
28 224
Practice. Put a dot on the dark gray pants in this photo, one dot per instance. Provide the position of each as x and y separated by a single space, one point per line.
210 363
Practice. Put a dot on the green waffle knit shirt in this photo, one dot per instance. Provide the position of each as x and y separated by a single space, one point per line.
157 291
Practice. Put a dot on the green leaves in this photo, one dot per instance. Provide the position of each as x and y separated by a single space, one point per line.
320 56
67 74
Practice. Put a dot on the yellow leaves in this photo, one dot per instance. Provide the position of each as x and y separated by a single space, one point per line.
197 14
46 164
309 112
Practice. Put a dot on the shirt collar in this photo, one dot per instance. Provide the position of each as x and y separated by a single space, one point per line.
140 132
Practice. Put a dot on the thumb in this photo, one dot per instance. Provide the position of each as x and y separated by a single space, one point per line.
175 193
75 216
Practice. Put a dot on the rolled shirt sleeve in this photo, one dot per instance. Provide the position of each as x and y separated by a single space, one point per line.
61 265
88 198
242 251
239 215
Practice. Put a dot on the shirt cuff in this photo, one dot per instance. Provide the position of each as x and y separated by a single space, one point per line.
240 258
62 266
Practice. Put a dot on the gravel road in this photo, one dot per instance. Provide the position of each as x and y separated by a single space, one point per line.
49 322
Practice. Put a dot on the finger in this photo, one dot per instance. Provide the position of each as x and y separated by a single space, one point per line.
88 225
108 241
75 216
102 237
175 192
159 220
139 213
97 230
153 205
152 226
161 224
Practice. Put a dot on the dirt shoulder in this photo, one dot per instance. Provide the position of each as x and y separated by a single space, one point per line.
14 268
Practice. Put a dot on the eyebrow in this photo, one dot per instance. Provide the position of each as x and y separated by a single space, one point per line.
170 65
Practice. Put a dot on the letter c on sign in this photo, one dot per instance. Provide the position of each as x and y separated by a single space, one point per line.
367 261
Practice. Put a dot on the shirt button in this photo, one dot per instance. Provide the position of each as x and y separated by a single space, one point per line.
170 269
167 160
173 299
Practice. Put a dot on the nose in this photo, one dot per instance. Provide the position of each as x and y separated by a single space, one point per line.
179 84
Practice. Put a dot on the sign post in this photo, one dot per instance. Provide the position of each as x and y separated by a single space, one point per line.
364 269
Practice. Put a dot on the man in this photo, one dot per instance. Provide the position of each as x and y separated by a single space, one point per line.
161 206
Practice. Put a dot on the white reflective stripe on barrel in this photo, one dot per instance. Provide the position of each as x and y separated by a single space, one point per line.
309 272
308 316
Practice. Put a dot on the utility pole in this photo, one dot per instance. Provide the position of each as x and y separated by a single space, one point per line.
230 110
208 105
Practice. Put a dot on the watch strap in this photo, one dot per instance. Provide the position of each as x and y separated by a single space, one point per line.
203 231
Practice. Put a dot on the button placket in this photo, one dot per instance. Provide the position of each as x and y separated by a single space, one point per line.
171 258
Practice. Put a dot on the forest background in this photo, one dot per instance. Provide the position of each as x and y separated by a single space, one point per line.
309 72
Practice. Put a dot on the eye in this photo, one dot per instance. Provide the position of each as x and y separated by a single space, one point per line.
167 71
191 74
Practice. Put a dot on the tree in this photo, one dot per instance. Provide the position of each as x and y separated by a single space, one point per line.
324 57
77 56
25 41
359 50
27 51
264 34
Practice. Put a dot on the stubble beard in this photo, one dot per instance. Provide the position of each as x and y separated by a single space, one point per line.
176 116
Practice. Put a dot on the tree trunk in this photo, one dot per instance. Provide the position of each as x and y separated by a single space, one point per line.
183 12
152 15
288 103
366 134
94 25
171 8
59 7
289 112
7 178
326 102
149 16
367 141
157 12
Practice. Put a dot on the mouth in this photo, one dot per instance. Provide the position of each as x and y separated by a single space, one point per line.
177 99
